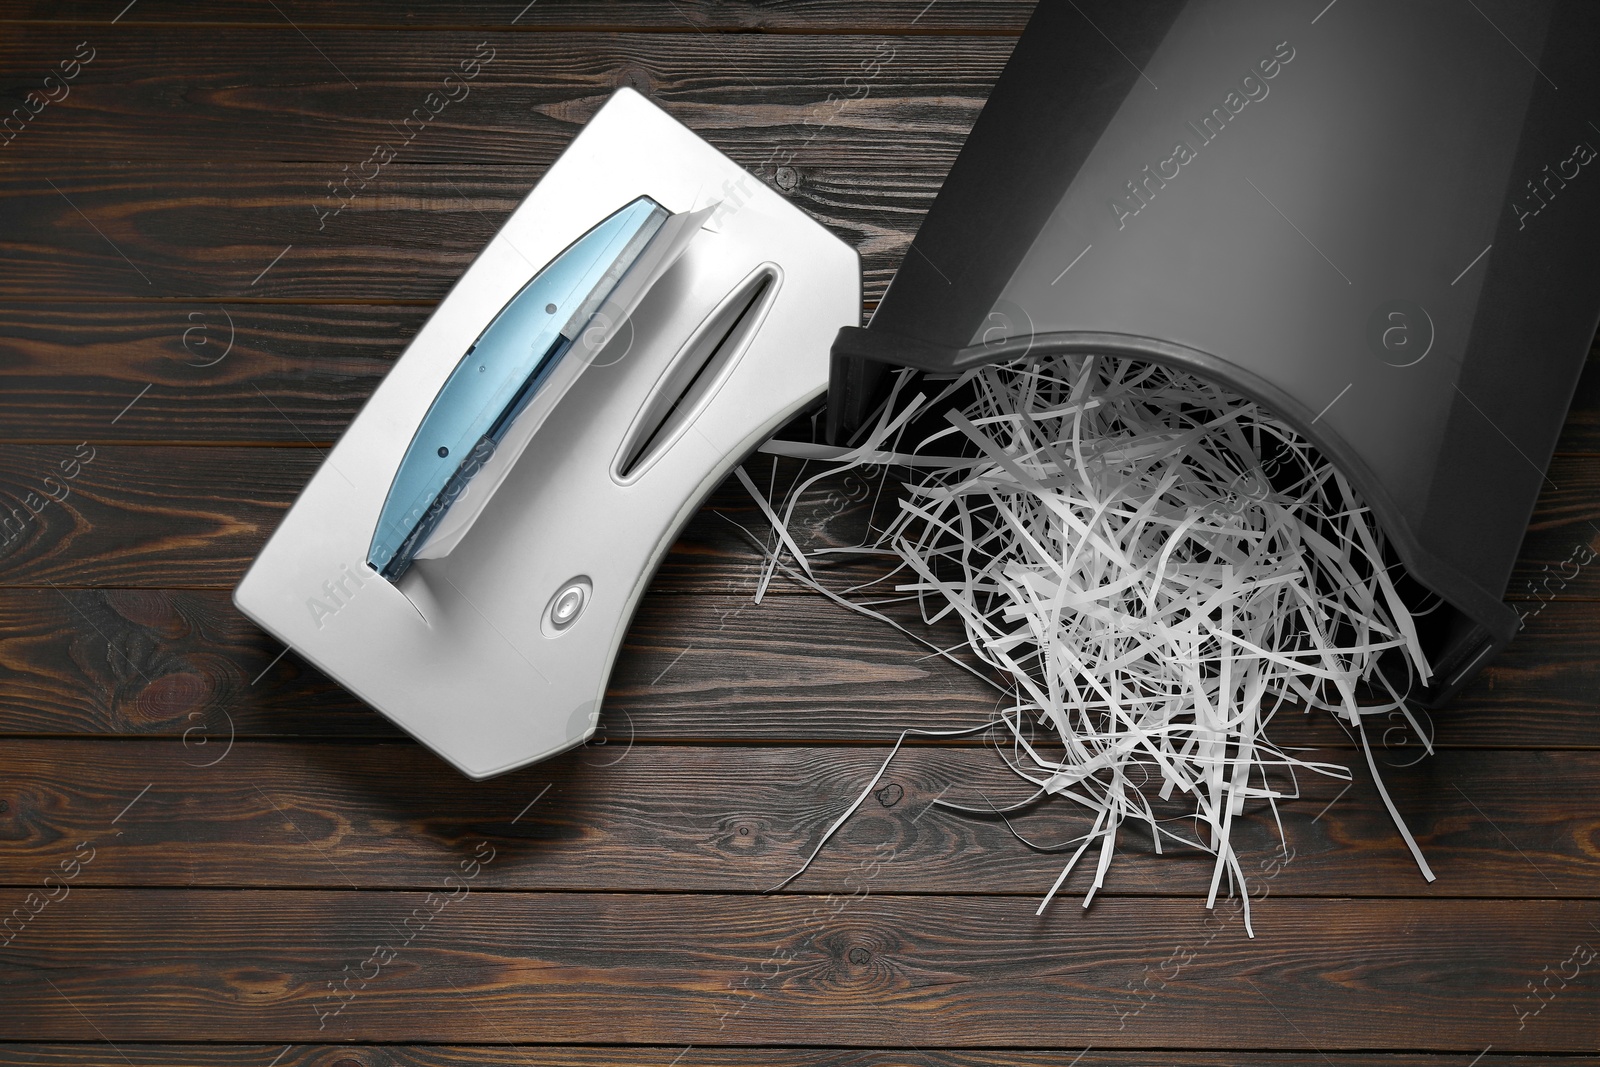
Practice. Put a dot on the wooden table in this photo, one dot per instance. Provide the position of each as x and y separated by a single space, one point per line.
221 858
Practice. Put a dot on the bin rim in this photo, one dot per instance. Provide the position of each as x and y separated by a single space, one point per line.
1496 620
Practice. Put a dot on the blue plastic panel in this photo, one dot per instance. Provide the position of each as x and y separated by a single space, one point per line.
497 376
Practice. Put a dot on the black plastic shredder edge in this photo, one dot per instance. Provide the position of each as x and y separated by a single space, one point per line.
1379 220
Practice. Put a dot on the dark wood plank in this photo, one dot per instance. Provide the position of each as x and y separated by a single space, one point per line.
154 516
739 819
67 363
156 662
655 845
273 95
1548 675
807 16
176 517
163 663
1563 532
208 232
667 969
101 1055
218 372
64 365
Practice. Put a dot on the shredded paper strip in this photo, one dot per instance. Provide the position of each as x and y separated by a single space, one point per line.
1153 567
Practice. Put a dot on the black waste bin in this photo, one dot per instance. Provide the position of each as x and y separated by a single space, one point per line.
1377 219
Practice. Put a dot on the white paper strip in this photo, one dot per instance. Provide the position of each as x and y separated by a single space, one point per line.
1155 566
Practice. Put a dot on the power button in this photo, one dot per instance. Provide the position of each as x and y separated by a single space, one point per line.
567 604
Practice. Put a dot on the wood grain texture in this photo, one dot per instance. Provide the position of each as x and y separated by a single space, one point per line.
100 1055
218 372
194 517
628 815
175 517
157 516
809 16
212 233
274 98
874 970
161 662
213 363
166 239
170 663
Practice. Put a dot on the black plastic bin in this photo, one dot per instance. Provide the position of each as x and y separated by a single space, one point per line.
1379 219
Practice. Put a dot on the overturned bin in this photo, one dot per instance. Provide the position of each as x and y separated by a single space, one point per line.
1377 220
